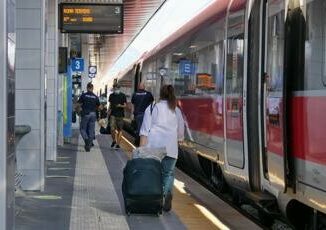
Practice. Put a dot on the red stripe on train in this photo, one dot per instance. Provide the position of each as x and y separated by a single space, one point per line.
204 115
308 125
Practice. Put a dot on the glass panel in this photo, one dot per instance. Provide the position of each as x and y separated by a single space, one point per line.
275 49
149 76
234 87
197 65
274 69
196 69
234 71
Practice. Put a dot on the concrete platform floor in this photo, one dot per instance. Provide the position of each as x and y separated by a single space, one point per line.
83 191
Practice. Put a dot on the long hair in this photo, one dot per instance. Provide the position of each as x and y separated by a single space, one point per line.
167 93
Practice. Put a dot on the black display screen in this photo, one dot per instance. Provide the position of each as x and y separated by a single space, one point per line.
91 18
63 59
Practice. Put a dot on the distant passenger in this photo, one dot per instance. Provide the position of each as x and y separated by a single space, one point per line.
89 104
141 99
118 103
163 126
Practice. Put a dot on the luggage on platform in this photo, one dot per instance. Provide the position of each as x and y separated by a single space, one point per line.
106 130
142 186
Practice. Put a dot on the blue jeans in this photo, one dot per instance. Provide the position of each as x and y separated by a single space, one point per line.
87 126
168 165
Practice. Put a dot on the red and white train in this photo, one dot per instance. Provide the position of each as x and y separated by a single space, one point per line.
250 77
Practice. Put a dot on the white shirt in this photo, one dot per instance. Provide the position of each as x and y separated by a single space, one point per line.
163 128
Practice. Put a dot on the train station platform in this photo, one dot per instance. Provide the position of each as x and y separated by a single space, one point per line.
83 191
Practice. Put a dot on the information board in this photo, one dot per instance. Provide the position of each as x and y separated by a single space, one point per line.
63 59
91 18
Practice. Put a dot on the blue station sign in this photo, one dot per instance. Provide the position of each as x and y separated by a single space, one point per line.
77 65
186 67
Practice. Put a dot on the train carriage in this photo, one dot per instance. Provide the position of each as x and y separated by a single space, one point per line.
250 77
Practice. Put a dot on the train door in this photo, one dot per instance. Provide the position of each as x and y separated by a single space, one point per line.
274 95
234 78
309 102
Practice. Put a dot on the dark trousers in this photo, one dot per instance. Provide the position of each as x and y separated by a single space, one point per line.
139 121
87 126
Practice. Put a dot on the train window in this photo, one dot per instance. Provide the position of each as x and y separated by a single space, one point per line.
235 53
275 46
197 63
149 77
234 69
196 69
219 73
315 46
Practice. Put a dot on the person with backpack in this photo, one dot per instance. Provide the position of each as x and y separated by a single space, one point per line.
141 99
163 126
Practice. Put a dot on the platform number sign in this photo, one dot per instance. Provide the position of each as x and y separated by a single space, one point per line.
77 64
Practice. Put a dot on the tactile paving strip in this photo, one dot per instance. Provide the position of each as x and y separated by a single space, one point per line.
95 204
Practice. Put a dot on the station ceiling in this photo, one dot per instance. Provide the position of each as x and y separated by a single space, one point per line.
104 50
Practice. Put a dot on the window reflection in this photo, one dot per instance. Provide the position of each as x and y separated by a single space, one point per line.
197 64
275 46
195 67
235 50
234 69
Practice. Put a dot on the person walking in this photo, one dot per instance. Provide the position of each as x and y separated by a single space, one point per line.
118 103
141 99
89 104
163 126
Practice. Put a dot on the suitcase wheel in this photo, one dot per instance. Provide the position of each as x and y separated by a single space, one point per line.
127 211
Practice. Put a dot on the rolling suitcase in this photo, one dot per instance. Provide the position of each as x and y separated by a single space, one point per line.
142 186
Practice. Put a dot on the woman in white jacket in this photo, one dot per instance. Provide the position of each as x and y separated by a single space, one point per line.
163 126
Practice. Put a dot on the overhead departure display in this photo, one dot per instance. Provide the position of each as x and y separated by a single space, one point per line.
91 18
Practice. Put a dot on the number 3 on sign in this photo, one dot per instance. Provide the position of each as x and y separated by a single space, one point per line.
77 67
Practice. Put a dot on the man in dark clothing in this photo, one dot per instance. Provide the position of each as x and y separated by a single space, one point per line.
89 103
118 103
141 99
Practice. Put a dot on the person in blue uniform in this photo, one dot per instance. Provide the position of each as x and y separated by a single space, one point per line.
118 103
89 104
141 99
